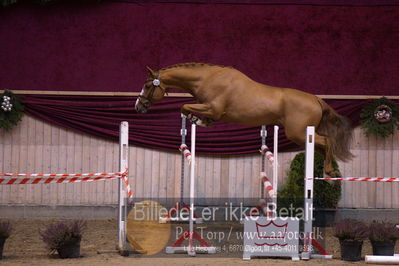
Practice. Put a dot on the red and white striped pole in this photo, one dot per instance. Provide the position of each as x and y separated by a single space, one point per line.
267 185
186 152
270 187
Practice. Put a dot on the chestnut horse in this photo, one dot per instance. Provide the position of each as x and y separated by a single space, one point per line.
224 93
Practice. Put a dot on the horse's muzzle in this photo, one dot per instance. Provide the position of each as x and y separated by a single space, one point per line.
140 108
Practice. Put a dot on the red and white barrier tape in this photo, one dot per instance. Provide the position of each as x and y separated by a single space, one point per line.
186 152
128 189
15 178
269 155
50 180
369 179
267 184
60 175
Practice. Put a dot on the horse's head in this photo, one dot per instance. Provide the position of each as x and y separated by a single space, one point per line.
152 92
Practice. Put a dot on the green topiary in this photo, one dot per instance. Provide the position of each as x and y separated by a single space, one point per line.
326 195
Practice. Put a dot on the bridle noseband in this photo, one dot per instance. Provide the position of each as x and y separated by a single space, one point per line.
156 83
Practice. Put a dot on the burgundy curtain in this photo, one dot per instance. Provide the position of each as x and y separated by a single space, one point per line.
160 127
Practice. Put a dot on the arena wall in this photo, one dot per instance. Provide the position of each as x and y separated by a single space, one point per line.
38 147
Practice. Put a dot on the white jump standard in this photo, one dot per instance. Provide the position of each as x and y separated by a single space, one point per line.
122 202
265 236
185 155
265 243
191 249
125 192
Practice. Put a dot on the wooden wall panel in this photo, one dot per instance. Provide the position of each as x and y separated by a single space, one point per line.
37 147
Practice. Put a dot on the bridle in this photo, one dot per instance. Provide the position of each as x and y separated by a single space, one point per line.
156 83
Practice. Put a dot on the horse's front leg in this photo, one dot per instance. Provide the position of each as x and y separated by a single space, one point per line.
201 109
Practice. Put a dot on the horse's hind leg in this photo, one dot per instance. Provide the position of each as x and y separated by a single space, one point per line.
323 144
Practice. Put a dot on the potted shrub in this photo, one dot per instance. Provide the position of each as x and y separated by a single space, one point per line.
351 234
64 237
383 237
326 195
5 231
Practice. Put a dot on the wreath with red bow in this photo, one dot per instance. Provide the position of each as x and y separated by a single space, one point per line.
380 117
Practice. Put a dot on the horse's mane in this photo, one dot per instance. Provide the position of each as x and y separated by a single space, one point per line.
192 64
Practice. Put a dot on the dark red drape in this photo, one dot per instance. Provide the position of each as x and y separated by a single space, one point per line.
160 127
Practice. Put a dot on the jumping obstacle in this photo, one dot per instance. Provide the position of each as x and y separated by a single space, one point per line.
263 243
369 258
185 155
309 241
309 179
266 186
124 190
191 234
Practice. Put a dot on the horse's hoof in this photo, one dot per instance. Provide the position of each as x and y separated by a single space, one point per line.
194 119
208 122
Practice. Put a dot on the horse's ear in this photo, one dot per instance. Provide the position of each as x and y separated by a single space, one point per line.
151 72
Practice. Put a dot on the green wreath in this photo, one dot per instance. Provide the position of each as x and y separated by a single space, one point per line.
11 110
380 118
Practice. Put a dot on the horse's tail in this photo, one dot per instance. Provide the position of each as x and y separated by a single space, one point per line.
338 131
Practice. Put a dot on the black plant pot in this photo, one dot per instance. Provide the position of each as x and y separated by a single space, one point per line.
70 250
324 217
385 248
2 241
351 250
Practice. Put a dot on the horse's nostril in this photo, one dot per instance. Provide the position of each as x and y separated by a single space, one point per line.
140 109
